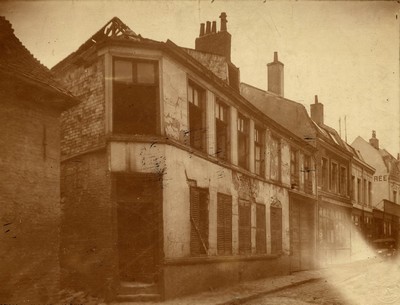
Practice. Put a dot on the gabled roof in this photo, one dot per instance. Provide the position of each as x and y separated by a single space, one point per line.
17 62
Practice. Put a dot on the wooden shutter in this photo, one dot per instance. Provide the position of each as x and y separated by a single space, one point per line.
276 230
244 227
224 224
260 229
198 221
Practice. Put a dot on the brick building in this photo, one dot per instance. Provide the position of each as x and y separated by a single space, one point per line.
172 181
31 103
384 199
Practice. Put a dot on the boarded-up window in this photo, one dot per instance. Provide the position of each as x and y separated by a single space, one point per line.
244 227
224 224
197 118
135 96
275 159
276 228
261 246
198 221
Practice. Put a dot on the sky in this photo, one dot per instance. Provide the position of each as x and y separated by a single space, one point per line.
347 53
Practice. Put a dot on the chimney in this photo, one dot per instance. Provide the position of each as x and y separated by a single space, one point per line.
202 28
275 76
215 42
317 111
374 141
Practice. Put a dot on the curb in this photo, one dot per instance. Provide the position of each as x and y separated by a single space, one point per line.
241 300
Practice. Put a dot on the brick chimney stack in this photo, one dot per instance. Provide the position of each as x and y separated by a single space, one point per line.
317 111
215 42
374 141
275 76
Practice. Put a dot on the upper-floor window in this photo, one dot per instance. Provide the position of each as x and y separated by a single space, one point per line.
294 167
325 173
222 130
353 187
359 192
395 196
259 151
197 117
135 96
365 192
369 193
275 159
243 141
307 174
343 181
334 177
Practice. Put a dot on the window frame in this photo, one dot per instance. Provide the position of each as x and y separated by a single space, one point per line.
276 139
244 224
261 227
224 224
243 135
201 109
224 123
199 231
259 141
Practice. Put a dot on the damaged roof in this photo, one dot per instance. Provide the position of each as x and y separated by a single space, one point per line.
17 62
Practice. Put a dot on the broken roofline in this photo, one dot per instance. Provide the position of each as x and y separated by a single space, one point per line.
91 45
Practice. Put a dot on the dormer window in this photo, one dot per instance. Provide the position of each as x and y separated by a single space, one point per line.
135 96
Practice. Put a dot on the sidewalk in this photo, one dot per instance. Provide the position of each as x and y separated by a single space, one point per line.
249 290
243 292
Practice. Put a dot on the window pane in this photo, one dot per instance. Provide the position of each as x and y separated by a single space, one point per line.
145 73
123 71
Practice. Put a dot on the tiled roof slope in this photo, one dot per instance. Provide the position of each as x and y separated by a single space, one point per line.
17 61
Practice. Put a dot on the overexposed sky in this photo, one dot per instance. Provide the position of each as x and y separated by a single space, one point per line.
345 52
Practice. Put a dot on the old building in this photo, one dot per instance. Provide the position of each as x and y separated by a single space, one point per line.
384 199
332 159
173 182
31 103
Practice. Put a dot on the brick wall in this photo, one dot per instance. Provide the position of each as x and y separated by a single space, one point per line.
82 127
87 224
29 200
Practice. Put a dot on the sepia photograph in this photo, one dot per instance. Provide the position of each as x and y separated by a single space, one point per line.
199 152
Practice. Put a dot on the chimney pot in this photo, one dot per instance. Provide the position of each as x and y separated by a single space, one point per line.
208 27
214 27
223 21
202 25
275 56
316 99
374 141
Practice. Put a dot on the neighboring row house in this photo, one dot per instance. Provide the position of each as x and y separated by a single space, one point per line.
384 200
170 176
31 102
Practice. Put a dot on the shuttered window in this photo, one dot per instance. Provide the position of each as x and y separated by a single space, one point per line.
224 224
198 221
244 227
276 230
261 246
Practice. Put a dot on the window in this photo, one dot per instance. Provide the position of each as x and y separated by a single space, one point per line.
294 168
325 174
198 221
395 196
261 245
369 193
222 130
259 165
224 224
243 141
135 96
359 192
353 187
343 181
276 227
244 227
275 159
334 177
197 118
308 188
365 201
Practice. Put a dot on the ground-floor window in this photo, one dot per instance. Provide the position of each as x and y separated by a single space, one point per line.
333 229
244 227
276 227
261 246
224 224
199 221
